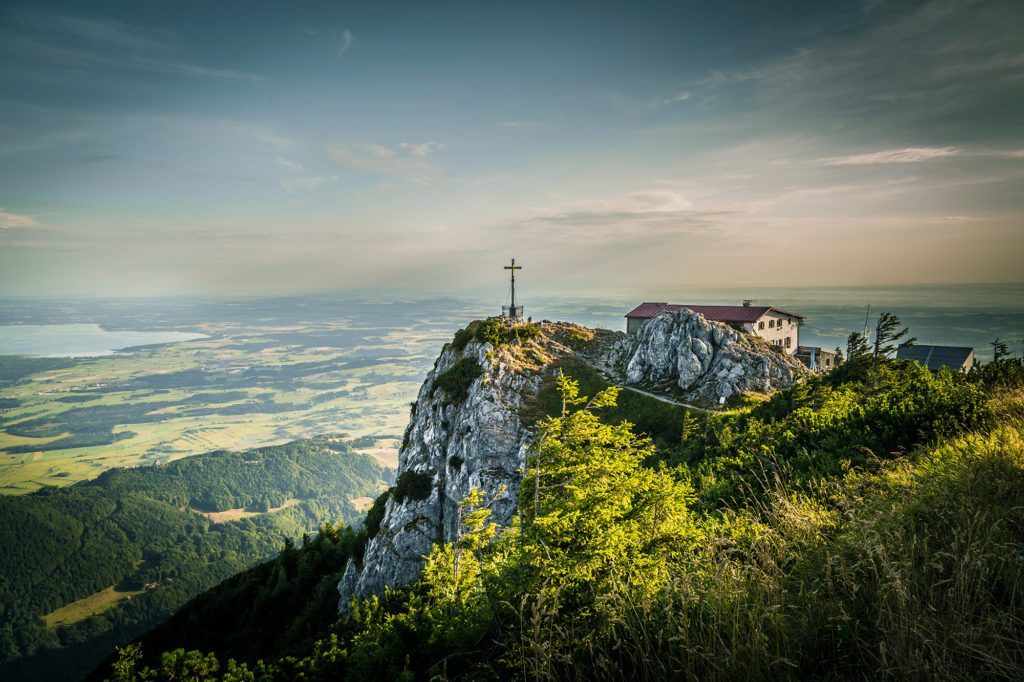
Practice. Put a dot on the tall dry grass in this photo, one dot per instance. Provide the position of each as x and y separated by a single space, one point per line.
912 572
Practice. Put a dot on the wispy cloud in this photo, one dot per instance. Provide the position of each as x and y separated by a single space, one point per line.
930 69
345 43
342 40
305 183
422 149
378 158
674 99
635 217
298 180
887 156
9 220
637 103
291 165
187 69
917 154
76 41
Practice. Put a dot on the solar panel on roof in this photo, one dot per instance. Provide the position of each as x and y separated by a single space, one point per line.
936 357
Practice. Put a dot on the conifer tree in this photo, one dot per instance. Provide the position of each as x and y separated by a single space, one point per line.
888 335
857 347
1000 351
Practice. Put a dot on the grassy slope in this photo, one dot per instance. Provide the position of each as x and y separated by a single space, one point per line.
913 571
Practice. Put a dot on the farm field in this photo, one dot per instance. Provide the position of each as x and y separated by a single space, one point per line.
267 372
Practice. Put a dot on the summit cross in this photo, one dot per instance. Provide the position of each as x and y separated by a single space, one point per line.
513 268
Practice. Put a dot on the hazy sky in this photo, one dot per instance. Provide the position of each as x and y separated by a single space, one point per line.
181 148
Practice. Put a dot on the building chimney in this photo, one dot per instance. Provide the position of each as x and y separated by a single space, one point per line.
747 302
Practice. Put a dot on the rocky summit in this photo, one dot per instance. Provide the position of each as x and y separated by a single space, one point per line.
700 361
471 424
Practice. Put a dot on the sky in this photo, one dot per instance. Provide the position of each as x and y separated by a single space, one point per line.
634 147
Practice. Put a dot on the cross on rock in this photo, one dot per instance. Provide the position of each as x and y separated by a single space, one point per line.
514 312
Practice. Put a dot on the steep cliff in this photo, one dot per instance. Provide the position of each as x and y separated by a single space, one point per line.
465 431
468 426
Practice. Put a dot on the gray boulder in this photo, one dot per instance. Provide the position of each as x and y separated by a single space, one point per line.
699 360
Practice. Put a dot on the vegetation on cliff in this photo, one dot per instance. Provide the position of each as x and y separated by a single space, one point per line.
867 524
496 331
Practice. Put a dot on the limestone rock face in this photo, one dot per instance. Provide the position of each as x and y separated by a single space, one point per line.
481 440
476 442
699 360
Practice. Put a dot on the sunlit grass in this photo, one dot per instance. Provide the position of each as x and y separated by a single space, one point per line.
94 604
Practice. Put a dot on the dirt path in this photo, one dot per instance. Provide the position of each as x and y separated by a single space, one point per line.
664 399
660 398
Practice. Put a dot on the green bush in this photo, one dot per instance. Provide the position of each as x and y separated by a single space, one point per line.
494 330
415 485
823 427
375 515
455 382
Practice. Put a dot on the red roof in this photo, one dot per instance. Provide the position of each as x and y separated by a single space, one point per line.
719 313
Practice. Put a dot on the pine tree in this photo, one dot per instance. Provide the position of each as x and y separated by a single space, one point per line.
857 347
1000 351
888 335
595 509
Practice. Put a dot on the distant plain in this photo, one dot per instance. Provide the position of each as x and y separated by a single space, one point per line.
273 370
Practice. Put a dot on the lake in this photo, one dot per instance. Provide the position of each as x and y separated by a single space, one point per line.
79 340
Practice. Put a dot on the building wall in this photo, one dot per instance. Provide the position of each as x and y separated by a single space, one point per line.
778 329
968 363
633 324
824 359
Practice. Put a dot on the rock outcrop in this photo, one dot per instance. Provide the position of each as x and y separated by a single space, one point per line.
698 360
467 428
458 442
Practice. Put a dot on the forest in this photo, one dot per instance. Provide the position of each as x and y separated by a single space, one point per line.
867 523
92 565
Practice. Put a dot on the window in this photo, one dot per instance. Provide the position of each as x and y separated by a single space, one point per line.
760 325
771 324
789 341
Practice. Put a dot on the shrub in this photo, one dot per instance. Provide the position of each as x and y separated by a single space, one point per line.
457 379
376 514
494 330
415 485
464 336
823 427
407 436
